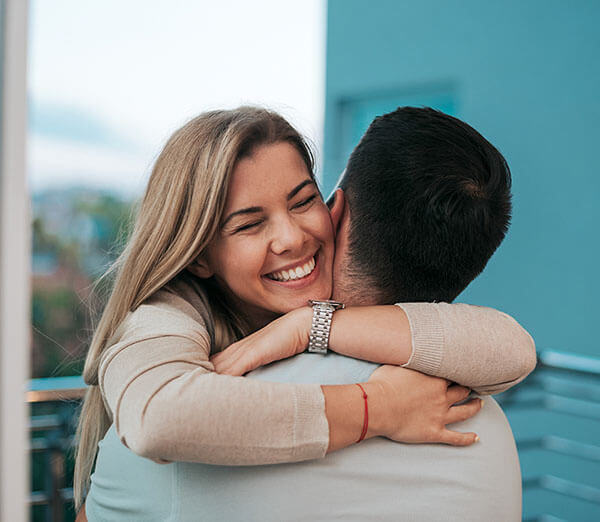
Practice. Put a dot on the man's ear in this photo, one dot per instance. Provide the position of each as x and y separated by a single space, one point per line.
200 268
336 207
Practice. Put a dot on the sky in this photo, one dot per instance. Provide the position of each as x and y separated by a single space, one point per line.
110 80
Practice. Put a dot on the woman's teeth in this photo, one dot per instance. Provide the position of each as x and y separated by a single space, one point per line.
294 273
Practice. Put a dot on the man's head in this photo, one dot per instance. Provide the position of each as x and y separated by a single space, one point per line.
427 203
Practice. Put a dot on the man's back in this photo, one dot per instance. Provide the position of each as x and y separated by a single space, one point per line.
376 479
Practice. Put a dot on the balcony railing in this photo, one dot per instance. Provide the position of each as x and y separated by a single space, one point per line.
555 417
554 414
54 402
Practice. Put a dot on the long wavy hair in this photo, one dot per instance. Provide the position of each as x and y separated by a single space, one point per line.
178 217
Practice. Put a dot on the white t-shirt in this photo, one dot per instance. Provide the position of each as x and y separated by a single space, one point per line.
375 480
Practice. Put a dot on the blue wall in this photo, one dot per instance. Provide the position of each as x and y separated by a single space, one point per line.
527 76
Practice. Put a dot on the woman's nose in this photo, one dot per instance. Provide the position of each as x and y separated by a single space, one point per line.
288 236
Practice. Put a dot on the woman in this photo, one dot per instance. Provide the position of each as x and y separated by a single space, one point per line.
205 267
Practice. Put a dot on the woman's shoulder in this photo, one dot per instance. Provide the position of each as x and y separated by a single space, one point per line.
166 328
179 308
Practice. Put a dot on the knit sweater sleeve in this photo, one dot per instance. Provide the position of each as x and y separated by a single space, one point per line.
168 404
475 346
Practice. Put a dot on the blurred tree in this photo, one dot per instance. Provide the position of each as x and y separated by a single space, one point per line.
77 234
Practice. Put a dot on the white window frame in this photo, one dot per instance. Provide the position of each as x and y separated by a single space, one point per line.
14 264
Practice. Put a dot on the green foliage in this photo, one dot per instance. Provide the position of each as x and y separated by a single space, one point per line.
60 332
112 218
77 234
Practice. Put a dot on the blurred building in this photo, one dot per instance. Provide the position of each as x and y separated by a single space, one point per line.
526 75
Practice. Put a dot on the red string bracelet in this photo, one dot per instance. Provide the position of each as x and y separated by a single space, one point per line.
366 422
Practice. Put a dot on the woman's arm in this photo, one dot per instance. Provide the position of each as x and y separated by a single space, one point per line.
169 404
474 346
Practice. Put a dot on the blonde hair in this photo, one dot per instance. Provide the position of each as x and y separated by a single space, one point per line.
178 217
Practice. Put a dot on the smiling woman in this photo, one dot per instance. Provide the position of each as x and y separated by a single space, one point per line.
275 248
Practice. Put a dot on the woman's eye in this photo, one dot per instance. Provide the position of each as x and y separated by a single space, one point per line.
305 202
248 226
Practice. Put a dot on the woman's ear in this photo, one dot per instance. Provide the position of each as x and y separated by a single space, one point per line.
336 207
200 268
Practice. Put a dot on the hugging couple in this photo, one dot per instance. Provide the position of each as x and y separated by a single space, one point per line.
205 401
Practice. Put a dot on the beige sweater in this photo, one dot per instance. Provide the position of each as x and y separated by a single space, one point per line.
167 402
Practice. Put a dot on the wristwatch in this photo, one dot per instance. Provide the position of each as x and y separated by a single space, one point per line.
321 324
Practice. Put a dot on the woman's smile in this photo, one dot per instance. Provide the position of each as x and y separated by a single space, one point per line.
296 275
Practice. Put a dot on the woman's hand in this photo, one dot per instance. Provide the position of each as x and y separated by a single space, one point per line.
280 339
411 407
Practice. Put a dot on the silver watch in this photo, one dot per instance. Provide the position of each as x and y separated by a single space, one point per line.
321 324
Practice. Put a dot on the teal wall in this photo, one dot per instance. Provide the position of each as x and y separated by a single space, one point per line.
527 76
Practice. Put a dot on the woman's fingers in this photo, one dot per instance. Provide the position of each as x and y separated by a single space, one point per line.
226 362
458 414
464 411
237 359
455 438
457 393
233 366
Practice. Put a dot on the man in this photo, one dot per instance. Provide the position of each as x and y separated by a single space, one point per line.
425 203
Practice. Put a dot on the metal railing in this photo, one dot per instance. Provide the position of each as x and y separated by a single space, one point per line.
53 403
554 414
555 417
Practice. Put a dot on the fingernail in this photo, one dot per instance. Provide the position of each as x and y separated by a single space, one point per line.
482 402
476 438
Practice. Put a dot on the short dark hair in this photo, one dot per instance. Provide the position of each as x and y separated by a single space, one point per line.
429 202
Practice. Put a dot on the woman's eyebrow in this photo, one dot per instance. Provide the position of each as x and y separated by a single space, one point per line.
253 210
297 189
249 210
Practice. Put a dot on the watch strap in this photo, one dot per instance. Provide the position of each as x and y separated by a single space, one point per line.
321 325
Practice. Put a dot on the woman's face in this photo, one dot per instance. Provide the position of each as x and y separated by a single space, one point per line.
275 247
